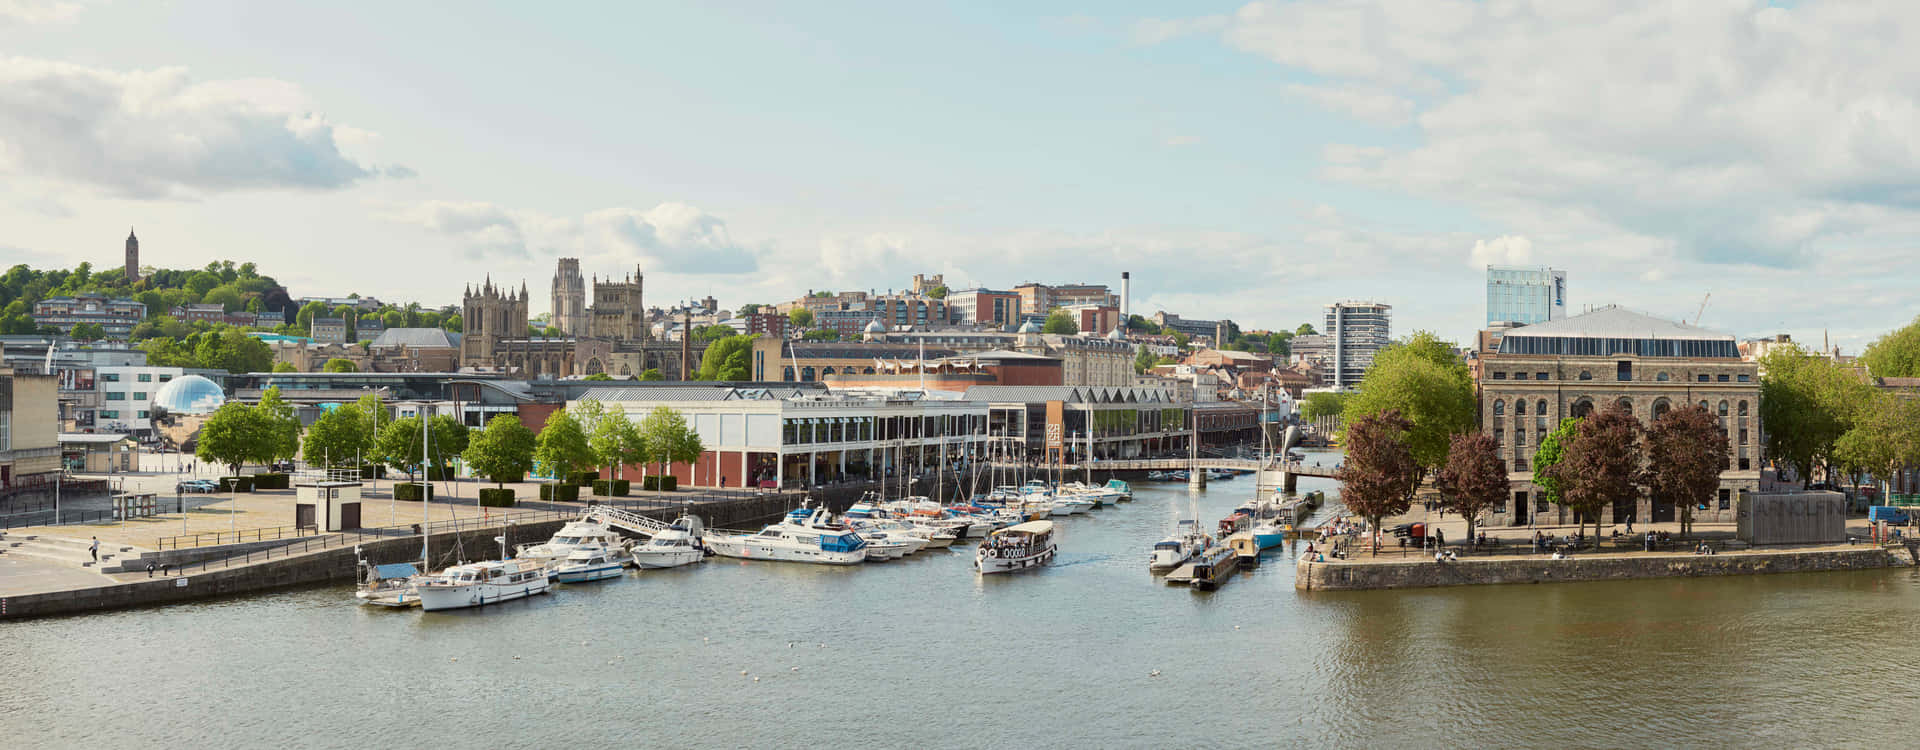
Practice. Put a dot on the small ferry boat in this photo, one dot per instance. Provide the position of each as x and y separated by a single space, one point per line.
482 583
671 547
1027 545
1171 552
812 540
585 565
1213 567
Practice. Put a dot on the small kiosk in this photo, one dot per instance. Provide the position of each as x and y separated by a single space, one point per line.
326 505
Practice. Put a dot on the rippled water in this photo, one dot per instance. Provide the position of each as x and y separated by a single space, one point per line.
922 652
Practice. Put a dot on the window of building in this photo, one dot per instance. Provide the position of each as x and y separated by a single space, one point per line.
1520 438
1724 378
1499 376
116 395
1500 506
1520 407
1743 436
1499 407
1726 499
1540 503
1723 408
1703 377
1499 436
1743 408
1519 464
139 395
1519 376
1539 376
1745 464
109 414
165 378
1661 378
140 414
110 377
1745 378
1585 375
1623 372
146 377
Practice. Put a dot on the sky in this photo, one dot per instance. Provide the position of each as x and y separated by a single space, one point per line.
1251 161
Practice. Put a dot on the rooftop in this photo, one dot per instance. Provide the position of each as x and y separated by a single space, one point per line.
1613 322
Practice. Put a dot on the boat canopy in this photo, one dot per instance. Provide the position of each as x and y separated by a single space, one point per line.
1034 528
395 570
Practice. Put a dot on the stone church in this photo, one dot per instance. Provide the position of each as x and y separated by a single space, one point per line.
610 336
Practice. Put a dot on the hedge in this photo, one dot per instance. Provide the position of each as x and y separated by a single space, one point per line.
666 483
496 497
373 471
562 492
411 491
270 481
236 484
440 474
586 478
611 487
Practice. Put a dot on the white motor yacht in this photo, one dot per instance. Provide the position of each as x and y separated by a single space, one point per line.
482 583
802 537
573 537
592 564
1185 542
672 547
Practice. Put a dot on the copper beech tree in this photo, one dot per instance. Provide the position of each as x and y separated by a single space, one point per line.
1379 474
1686 451
1600 466
1473 479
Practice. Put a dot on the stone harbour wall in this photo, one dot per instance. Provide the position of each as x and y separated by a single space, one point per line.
1361 576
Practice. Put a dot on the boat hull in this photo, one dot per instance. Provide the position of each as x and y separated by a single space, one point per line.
747 550
589 573
436 598
988 564
672 559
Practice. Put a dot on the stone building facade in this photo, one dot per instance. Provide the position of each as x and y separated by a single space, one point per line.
1542 374
569 298
619 311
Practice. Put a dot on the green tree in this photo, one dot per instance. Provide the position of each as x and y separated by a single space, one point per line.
1686 451
667 439
1179 340
453 323
1305 329
800 318
938 292
1806 402
616 441
1422 380
340 437
598 377
502 451
337 364
822 334
233 435
1895 355
1144 359
284 367
280 426
708 334
1600 466
1060 322
561 449
1885 436
89 332
1280 344
1322 404
750 308
1379 475
727 359
399 442
1140 324
1552 450
304 318
653 374
1473 479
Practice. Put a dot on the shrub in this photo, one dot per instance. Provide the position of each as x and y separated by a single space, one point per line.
439 473
611 487
373 471
560 492
660 483
586 478
271 481
236 484
412 491
496 497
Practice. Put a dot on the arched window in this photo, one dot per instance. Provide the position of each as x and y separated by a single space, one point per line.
807 374
1723 408
868 371
787 375
1662 377
1743 408
1705 407
1540 408
1626 403
825 372
1520 407
1499 408
1585 375
1581 408
1660 408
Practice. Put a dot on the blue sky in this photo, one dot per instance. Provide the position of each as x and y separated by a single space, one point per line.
1253 161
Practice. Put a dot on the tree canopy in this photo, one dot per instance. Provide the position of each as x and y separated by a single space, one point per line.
1473 479
341 436
728 359
1379 475
502 451
1322 404
1806 402
234 435
1601 466
1421 379
1686 451
561 448
667 438
1895 355
800 318
1885 437
1061 323
1305 329
282 426
1552 450
399 445
338 364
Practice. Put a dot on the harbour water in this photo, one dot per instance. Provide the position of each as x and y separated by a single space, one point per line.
922 652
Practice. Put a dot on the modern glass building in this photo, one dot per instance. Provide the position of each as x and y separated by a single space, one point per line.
1525 294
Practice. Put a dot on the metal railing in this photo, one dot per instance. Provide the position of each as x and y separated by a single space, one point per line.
45 517
332 540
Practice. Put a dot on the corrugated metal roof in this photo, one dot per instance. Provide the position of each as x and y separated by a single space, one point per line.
415 337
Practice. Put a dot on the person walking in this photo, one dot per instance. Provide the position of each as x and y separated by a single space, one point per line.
94 549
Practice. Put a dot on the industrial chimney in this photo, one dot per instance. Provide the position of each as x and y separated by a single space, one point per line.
1126 295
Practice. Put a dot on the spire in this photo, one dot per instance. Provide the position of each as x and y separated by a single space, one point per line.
130 234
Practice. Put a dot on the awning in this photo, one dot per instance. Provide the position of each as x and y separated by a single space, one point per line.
395 570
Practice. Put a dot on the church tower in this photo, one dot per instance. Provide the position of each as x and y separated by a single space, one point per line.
133 256
569 299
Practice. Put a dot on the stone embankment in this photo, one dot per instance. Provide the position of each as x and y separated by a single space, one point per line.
336 564
1366 575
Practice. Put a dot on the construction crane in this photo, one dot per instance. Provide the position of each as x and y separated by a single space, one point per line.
1703 308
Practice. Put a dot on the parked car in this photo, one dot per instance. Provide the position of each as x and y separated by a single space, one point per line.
196 485
284 467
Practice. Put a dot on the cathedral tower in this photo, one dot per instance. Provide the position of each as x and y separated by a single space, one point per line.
569 299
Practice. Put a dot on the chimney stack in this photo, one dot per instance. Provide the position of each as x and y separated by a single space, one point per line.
1126 297
686 345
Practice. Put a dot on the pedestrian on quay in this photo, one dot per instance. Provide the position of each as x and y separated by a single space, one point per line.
94 549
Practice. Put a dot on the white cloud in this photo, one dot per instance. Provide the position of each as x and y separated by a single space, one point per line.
1500 251
670 237
1729 132
38 11
160 134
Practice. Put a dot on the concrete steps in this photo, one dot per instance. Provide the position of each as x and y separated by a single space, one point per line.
60 549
